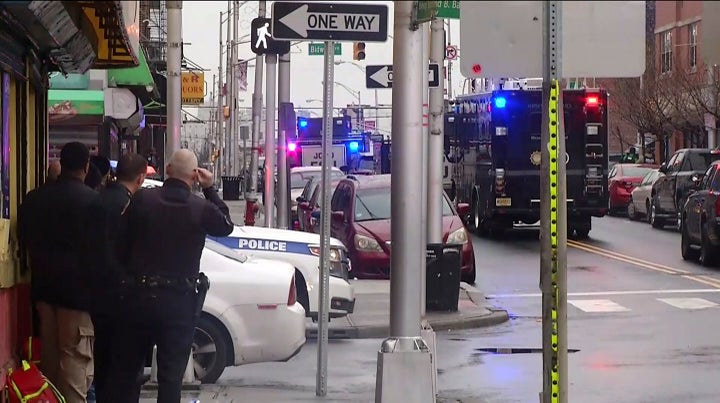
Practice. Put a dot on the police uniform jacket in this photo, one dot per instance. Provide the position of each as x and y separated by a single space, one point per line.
106 230
53 227
166 229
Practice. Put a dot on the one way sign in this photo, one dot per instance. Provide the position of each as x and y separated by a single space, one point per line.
329 21
381 76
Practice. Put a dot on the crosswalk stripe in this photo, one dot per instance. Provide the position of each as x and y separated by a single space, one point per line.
688 303
597 305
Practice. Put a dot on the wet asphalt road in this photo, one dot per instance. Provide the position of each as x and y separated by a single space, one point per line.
645 323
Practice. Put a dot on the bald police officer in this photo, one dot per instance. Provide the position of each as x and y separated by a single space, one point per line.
164 237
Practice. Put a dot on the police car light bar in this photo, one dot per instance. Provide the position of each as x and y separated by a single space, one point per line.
292 146
500 102
354 146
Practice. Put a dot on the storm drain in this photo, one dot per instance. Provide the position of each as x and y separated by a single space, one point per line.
508 350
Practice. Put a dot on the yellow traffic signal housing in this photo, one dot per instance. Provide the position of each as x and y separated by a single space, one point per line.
359 51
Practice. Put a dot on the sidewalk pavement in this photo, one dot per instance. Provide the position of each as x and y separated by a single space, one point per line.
371 318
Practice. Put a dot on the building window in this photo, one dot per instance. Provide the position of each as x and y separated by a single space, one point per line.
667 52
692 46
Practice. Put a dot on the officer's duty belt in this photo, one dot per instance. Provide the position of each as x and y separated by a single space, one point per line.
174 283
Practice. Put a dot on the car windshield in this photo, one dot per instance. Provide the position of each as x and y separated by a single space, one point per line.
635 171
374 204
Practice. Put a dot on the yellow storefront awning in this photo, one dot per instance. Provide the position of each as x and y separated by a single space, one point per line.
118 33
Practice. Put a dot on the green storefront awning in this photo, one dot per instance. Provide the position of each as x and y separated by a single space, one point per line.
76 102
139 76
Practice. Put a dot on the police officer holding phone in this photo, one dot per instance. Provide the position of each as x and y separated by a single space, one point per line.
165 230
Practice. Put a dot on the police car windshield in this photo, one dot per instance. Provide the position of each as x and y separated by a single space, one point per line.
374 204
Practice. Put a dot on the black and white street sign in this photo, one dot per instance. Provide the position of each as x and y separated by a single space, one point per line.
381 76
329 21
451 52
261 41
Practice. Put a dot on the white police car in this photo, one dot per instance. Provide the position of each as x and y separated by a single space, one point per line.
302 250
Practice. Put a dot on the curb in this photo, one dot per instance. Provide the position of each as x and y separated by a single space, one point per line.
467 321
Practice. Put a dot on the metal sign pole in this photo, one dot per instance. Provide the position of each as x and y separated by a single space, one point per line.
553 218
324 303
269 194
282 171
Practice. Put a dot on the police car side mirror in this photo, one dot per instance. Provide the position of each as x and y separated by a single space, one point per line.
663 168
300 199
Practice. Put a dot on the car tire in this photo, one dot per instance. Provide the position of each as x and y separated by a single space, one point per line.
688 253
631 212
209 363
655 221
469 277
610 207
647 211
708 255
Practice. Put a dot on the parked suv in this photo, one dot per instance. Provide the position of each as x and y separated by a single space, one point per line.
361 220
670 192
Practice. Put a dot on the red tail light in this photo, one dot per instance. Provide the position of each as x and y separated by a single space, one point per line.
292 295
592 100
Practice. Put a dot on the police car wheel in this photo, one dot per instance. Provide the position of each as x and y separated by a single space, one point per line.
209 349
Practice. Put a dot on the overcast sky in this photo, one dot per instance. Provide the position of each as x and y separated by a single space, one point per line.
200 29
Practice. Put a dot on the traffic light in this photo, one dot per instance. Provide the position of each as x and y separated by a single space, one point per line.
359 51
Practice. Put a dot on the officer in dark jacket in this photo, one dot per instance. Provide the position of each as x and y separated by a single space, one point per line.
165 236
106 229
53 223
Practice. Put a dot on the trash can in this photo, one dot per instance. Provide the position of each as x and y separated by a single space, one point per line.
442 286
231 187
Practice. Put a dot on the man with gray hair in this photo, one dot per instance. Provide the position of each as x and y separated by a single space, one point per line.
165 230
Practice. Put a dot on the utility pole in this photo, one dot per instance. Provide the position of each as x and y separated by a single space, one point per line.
553 215
270 81
174 67
228 85
436 143
405 352
283 190
220 110
234 143
257 104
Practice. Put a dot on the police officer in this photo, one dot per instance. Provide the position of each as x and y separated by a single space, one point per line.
165 235
53 222
106 229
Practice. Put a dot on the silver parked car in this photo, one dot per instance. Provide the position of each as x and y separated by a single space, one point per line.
640 197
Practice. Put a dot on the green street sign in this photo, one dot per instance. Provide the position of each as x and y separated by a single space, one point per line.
426 10
318 49
448 9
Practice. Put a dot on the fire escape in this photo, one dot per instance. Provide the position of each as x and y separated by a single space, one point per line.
153 33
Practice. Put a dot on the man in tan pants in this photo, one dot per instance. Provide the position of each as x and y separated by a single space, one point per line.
53 225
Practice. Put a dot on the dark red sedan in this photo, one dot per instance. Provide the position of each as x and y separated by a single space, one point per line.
361 220
622 179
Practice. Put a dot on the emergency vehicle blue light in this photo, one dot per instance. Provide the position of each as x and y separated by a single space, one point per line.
353 146
303 123
500 102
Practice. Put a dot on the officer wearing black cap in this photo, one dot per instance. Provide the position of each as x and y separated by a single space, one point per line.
165 236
